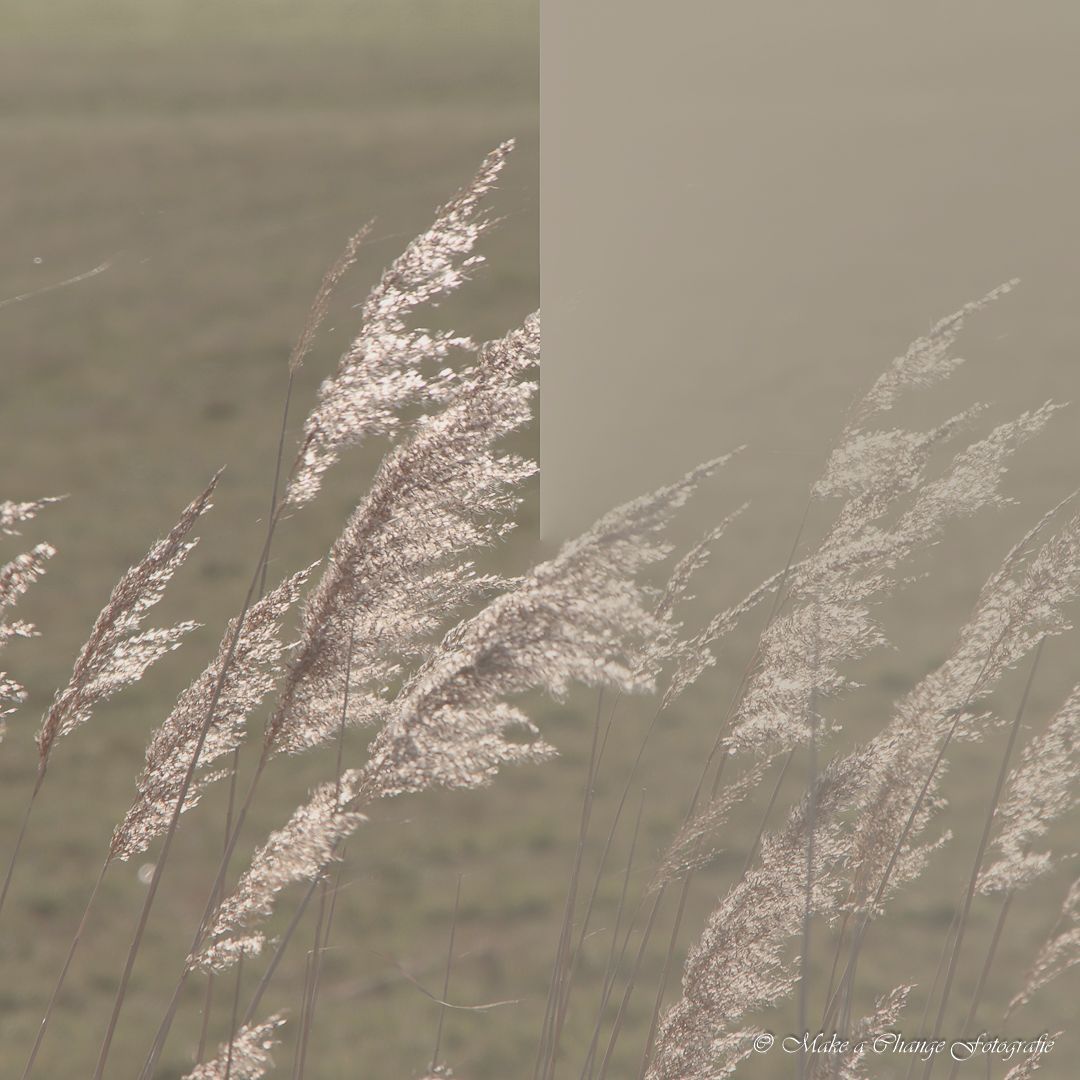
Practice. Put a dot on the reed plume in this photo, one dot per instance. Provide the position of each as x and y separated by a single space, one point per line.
830 621
798 662
1042 789
851 1064
320 305
1059 953
926 361
582 617
117 653
692 846
399 567
1022 602
382 370
1024 1070
741 963
16 577
246 1056
688 657
830 592
256 662
17 513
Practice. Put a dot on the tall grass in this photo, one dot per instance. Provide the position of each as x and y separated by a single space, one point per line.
400 632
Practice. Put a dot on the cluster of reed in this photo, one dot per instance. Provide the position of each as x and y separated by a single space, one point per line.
399 631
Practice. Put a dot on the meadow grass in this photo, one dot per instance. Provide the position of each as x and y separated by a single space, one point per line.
220 176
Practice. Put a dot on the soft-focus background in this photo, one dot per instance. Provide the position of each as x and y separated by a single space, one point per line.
217 156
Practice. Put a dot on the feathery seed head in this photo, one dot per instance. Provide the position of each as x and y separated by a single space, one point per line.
246 1056
117 654
381 372
256 661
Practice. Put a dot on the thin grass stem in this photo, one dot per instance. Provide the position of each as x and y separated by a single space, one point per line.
984 840
21 835
43 1026
980 986
610 967
446 978
189 775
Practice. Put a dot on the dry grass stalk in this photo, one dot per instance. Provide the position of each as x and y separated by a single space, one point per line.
117 653
446 979
554 1014
969 893
694 846
690 657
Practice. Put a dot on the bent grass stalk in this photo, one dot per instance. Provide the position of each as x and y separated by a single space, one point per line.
112 635
939 971
21 835
316 316
717 746
446 978
208 999
916 368
586 918
166 846
322 937
808 905
984 840
610 966
859 936
988 963
545 1063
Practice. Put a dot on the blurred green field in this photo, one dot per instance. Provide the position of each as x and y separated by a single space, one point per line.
217 157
